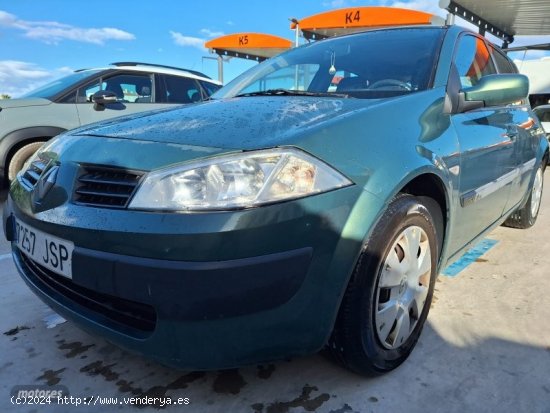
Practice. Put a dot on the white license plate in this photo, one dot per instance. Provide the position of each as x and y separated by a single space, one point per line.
51 252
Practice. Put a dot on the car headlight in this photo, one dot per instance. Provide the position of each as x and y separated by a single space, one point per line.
236 181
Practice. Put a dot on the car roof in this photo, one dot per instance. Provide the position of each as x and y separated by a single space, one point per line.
140 67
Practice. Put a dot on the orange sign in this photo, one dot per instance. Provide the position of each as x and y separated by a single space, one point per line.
257 46
340 21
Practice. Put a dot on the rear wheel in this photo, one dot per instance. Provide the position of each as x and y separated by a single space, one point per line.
388 298
526 216
20 157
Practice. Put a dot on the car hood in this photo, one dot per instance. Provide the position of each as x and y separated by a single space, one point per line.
21 103
237 123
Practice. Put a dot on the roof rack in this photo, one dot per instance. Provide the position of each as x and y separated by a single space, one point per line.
460 8
542 46
195 72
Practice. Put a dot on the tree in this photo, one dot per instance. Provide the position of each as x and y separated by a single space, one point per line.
5 96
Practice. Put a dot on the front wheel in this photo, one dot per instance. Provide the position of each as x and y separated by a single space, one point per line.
526 216
389 295
20 157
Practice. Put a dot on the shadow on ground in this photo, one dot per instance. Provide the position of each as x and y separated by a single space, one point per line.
483 376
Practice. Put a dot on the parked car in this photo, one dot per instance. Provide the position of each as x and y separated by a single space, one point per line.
88 96
543 113
285 215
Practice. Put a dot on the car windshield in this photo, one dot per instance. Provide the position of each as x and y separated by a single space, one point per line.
51 89
371 65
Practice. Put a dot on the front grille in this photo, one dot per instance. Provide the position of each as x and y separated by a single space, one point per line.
106 187
31 176
137 318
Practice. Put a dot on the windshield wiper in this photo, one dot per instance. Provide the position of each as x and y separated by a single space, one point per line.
288 92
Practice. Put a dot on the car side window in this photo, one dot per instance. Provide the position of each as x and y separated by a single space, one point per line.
473 61
130 88
210 88
504 64
543 114
180 90
85 92
69 98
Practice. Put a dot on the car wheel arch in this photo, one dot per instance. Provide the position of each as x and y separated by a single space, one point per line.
15 140
433 183
431 186
426 184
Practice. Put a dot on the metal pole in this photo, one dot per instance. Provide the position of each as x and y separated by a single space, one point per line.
220 69
296 44
219 58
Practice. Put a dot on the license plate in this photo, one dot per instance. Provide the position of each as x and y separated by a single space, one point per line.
51 252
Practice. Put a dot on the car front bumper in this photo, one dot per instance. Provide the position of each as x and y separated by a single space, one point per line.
200 291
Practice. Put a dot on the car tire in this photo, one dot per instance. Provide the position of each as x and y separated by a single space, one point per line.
526 216
20 157
378 295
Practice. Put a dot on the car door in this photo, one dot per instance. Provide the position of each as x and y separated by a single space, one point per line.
526 139
487 141
134 90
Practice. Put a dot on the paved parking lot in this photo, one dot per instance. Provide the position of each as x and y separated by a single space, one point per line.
485 348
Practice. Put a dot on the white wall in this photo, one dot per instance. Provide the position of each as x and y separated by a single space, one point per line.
538 72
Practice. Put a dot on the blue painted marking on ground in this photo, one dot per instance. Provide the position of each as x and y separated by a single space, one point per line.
470 256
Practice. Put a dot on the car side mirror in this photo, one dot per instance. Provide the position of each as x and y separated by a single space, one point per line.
102 98
494 90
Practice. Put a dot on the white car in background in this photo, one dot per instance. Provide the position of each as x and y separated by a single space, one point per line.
543 113
87 96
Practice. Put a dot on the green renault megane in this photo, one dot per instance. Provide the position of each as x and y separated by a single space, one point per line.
310 203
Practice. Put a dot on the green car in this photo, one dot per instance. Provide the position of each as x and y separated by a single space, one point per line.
310 203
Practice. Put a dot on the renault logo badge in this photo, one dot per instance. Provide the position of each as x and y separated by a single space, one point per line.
44 184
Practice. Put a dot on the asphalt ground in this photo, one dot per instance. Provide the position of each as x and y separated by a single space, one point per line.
485 348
